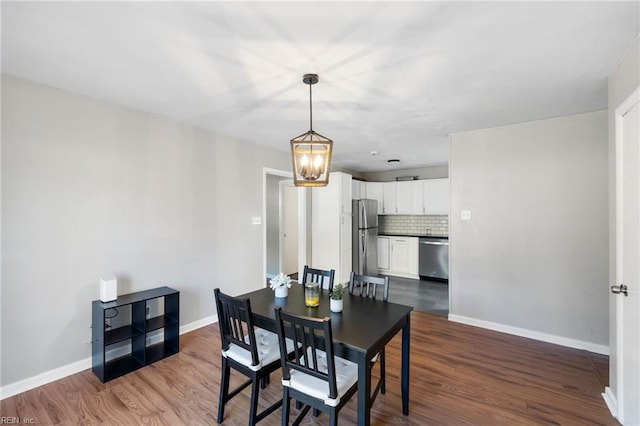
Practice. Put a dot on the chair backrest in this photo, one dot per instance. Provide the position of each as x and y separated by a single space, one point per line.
309 335
368 286
318 276
236 323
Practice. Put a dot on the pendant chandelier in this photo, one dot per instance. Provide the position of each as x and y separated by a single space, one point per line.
311 152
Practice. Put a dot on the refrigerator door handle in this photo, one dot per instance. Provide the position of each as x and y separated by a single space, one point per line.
364 250
363 216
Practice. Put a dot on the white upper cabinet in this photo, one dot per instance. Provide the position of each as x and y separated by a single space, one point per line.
389 194
417 197
403 197
409 197
374 192
436 196
345 192
358 190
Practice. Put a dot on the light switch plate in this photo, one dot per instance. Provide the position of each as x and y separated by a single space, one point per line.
465 214
256 220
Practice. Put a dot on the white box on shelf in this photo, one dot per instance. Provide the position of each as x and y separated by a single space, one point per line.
108 289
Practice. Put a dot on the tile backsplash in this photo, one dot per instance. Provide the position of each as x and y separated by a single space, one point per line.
436 225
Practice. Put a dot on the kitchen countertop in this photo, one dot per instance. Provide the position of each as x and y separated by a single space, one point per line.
396 234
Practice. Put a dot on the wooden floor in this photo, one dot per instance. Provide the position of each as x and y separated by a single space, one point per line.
460 375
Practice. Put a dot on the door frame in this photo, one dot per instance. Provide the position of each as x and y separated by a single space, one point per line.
304 237
614 398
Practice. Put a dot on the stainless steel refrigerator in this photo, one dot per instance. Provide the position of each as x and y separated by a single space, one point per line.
365 237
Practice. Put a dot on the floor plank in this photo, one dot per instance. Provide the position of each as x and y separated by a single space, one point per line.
424 295
459 375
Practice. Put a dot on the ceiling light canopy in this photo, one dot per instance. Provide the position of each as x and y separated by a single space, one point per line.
311 152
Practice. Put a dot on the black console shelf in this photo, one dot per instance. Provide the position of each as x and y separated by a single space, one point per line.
130 339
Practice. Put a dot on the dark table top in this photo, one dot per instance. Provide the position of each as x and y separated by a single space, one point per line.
364 325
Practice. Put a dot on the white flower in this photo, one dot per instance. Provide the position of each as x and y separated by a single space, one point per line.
280 280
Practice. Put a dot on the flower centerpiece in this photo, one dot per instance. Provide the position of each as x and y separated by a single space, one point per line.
336 298
280 284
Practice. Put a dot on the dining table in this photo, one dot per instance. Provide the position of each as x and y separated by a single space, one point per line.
360 331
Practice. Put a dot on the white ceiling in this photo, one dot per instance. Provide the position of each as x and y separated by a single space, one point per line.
394 77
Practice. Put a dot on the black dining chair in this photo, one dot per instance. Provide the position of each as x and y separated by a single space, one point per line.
251 351
314 377
372 287
320 276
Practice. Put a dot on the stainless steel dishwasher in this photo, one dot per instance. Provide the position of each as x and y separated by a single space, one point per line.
434 258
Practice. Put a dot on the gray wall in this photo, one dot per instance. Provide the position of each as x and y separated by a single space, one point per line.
90 189
622 82
534 256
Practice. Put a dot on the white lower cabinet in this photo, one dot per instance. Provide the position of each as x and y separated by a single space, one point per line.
401 256
383 254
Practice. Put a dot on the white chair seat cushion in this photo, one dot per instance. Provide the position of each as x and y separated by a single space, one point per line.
346 376
268 350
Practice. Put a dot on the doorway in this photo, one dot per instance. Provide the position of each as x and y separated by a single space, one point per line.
623 395
285 235
289 228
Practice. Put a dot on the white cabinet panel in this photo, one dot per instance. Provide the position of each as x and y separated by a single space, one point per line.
417 197
403 197
358 190
389 205
410 197
331 226
399 258
412 266
383 254
436 196
345 189
374 192
402 256
345 249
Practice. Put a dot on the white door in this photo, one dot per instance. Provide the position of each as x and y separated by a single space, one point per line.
627 286
289 237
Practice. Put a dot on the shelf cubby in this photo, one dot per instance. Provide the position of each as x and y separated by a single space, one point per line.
130 335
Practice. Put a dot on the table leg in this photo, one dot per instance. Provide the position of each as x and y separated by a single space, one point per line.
364 390
406 334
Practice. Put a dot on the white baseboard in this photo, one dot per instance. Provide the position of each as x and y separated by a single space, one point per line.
536 335
84 364
198 324
611 401
44 378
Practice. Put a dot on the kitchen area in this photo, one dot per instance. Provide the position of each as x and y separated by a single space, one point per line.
412 246
396 228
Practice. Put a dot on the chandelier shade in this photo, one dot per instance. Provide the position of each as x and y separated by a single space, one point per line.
311 152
